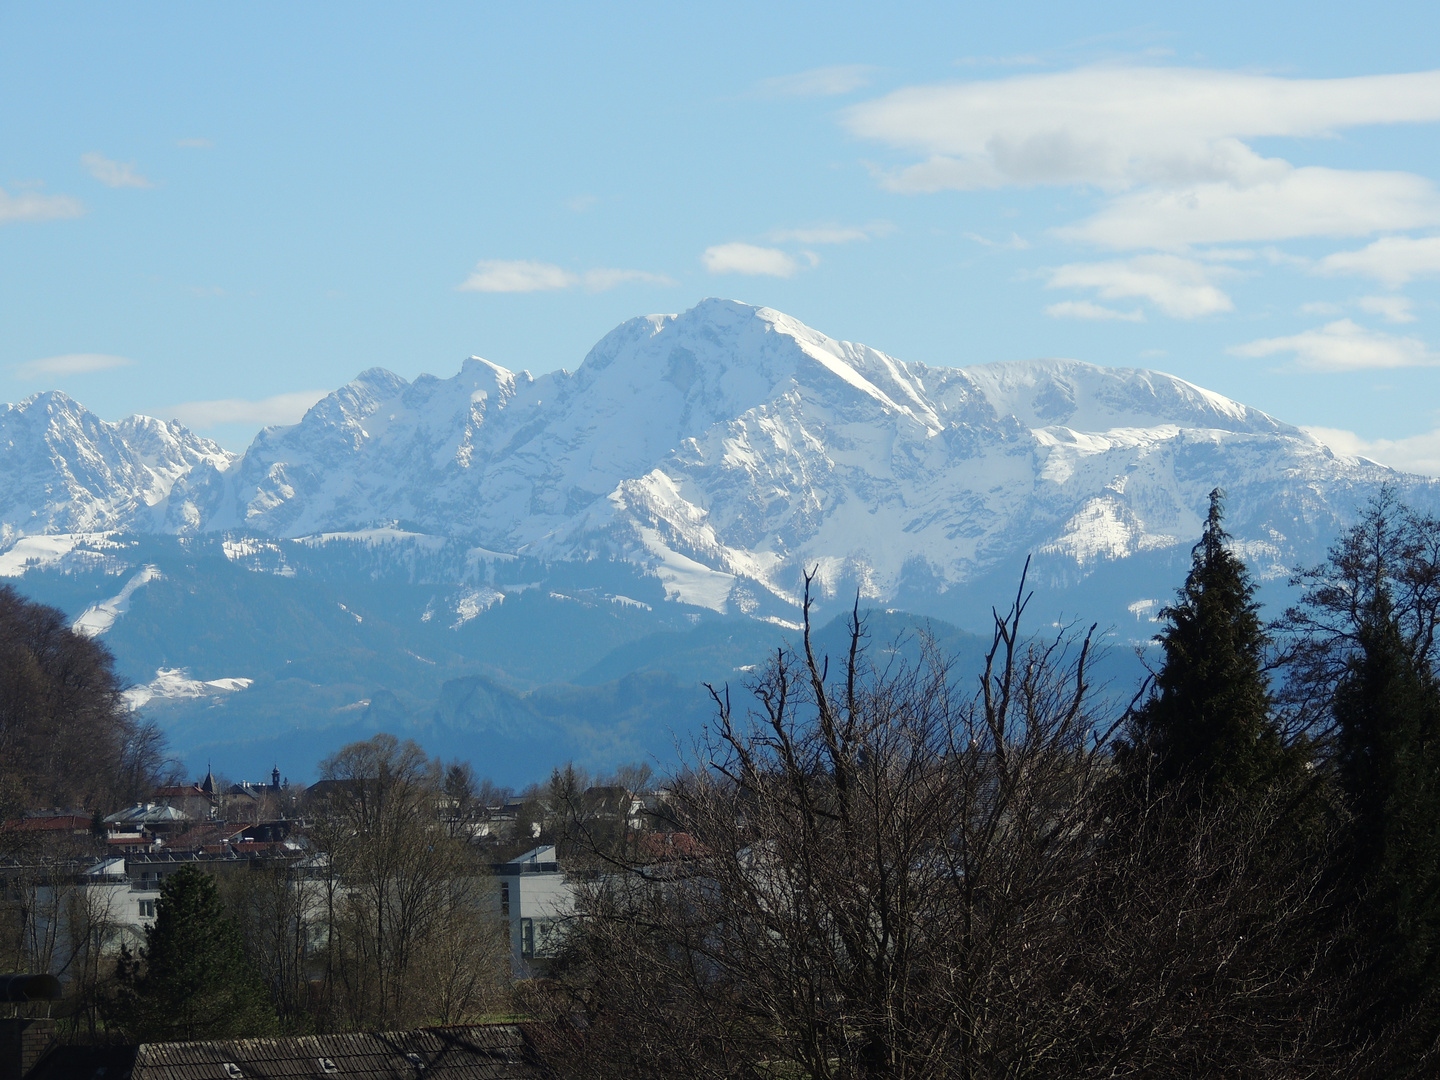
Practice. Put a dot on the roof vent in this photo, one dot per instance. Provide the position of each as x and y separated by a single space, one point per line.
233 1071
328 1066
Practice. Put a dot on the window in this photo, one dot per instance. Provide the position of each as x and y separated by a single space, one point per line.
539 938
505 898
147 909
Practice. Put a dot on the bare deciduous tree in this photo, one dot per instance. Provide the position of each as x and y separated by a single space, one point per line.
883 875
411 928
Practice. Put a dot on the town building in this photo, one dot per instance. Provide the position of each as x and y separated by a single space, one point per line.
535 900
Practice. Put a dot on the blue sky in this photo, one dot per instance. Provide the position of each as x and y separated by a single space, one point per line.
216 213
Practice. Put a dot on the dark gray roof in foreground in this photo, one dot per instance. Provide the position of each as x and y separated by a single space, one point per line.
481 1052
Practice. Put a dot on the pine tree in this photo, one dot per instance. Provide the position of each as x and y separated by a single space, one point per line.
1209 720
1387 713
196 982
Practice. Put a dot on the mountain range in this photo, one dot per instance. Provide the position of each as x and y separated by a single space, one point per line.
491 556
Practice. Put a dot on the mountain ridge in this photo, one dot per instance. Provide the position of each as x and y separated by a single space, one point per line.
724 450
528 563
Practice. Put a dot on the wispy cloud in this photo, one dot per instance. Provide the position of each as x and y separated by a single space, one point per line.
59 367
818 82
1084 309
578 204
517 276
115 174
832 234
1292 204
1181 288
1015 243
1343 345
195 144
1169 146
280 409
1391 260
1415 453
1393 309
35 206
750 259
605 280
526 275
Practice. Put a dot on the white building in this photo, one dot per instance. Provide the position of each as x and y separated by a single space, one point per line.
535 900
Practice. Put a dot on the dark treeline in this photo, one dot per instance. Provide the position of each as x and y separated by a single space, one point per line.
898 872
67 738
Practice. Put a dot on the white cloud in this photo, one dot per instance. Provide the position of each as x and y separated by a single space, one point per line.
1391 260
1343 346
517 276
58 367
1119 126
195 144
1084 309
1181 288
604 280
1415 453
1321 307
818 82
33 206
1289 204
280 409
115 174
1015 243
749 259
833 234
525 275
1393 309
580 203
1167 144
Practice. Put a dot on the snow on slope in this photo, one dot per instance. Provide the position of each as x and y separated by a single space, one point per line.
728 448
175 683
98 618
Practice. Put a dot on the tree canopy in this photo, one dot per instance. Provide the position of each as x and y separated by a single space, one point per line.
1209 721
67 738
195 981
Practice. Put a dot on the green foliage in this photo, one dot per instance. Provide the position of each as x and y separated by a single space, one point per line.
195 981
1209 721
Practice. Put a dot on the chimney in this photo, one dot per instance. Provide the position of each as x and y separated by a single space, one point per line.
23 1042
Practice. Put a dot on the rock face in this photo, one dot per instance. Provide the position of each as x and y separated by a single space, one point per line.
65 470
724 450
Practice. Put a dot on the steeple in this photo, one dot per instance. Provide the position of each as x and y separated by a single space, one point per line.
208 784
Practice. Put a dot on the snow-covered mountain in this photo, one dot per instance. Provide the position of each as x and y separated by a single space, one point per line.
524 569
65 470
724 450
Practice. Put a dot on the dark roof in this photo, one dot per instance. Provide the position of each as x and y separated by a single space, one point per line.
64 823
482 1052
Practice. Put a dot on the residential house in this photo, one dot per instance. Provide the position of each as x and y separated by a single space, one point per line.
535 900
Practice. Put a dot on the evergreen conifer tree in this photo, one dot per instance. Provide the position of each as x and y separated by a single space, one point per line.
197 982
1387 714
1209 721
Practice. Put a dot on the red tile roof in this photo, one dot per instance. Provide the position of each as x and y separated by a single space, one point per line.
68 822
